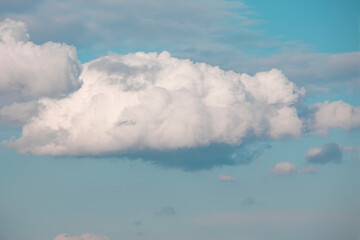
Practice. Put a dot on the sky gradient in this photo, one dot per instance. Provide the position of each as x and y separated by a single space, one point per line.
198 120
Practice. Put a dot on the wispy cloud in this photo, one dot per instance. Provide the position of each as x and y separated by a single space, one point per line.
226 178
85 236
249 201
166 212
288 168
137 223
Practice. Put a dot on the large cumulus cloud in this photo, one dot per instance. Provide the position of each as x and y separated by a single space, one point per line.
154 101
30 71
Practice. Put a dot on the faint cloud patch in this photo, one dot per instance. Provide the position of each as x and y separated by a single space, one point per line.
284 168
85 236
137 223
249 201
166 212
226 178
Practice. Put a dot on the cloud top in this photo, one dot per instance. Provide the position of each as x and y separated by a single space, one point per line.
32 71
154 101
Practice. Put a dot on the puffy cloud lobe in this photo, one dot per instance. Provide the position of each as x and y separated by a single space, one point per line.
284 168
331 152
19 112
336 114
34 71
85 236
149 101
13 31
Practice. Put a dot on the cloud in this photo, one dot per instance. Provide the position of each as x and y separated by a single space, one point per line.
226 178
287 168
284 168
135 102
202 157
338 114
249 201
214 31
31 71
144 23
19 112
137 223
85 236
166 212
330 152
18 5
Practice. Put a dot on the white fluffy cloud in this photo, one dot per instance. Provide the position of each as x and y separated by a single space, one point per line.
19 112
284 168
144 101
150 101
336 114
85 236
31 70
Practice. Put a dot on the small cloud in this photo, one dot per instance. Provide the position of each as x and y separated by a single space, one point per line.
331 152
165 212
226 178
350 149
249 201
284 168
85 236
308 169
338 114
137 223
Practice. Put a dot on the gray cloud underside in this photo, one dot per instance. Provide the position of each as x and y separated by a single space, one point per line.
201 158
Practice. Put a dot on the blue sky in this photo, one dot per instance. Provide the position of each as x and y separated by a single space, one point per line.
151 146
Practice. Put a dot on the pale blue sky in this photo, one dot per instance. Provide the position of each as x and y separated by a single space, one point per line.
43 196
